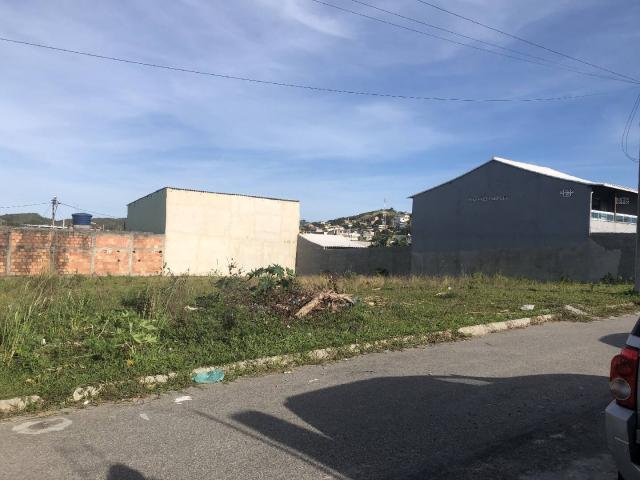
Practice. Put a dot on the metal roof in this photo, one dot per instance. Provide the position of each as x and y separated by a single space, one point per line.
333 241
540 170
214 193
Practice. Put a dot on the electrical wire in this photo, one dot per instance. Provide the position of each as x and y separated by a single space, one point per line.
624 141
27 205
545 61
529 42
295 85
88 211
45 213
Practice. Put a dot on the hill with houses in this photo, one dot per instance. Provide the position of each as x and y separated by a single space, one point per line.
385 227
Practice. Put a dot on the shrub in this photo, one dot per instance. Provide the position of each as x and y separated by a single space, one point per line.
271 278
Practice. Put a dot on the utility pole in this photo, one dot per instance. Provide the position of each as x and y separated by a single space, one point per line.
54 207
637 269
384 213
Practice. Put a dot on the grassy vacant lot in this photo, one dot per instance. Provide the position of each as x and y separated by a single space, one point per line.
57 333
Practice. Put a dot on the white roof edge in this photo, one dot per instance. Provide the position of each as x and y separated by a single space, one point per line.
618 187
540 170
333 241
549 172
259 197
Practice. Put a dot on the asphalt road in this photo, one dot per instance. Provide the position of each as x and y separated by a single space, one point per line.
525 404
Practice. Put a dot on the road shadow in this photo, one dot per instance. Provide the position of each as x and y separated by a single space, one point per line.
119 471
615 339
429 427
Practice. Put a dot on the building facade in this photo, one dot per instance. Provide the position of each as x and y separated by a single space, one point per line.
207 232
504 205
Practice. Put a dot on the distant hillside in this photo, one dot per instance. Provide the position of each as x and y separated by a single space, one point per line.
367 217
382 228
18 219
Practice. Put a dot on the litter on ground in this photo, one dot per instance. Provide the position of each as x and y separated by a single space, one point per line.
212 376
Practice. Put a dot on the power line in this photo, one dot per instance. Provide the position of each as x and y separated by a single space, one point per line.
88 211
298 86
27 205
547 62
624 141
529 42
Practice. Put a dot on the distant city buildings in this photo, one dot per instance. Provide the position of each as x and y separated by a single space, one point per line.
383 227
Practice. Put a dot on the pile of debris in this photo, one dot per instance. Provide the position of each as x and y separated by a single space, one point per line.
301 303
331 301
288 300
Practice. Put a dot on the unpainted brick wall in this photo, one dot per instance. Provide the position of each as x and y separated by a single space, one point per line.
25 251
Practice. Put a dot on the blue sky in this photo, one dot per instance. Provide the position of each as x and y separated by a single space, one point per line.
100 134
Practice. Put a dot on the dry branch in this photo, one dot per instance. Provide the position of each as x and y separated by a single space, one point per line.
335 299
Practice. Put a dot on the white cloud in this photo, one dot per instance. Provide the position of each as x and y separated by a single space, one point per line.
306 14
132 129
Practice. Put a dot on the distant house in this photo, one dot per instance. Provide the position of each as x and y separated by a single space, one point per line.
367 235
335 230
400 220
351 235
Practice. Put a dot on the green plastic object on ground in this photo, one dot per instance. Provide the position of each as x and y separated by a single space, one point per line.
211 376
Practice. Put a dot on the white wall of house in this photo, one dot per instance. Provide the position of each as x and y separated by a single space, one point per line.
601 226
208 232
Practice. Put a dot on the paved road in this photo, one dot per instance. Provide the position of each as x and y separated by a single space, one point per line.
525 404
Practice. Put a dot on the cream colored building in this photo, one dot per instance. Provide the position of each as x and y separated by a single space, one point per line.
207 232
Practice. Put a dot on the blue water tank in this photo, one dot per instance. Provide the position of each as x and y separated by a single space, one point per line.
81 220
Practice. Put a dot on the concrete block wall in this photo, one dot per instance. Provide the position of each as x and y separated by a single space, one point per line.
4 247
26 251
624 245
599 256
312 259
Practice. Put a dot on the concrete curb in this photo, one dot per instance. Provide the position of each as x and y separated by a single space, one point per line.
330 353
153 379
486 328
87 393
18 404
80 393
314 356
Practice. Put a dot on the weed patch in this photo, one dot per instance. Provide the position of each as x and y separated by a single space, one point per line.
59 333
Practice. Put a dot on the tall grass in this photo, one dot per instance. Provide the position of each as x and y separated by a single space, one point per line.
59 332
50 308
17 319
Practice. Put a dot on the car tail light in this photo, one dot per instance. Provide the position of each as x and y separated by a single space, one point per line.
624 376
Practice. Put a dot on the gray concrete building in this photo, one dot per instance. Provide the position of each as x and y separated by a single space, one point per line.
504 205
207 232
